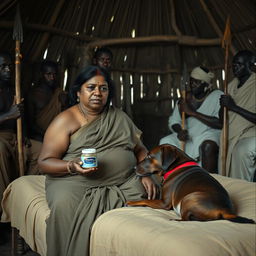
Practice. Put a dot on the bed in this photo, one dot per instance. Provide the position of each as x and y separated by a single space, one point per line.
139 231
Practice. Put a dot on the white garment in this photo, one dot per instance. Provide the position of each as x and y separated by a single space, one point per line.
241 154
198 131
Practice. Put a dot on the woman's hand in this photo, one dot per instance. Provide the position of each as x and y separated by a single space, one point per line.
150 187
75 167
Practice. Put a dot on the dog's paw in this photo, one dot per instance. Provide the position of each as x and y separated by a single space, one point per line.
128 204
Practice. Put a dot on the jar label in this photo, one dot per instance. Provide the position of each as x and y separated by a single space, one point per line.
89 162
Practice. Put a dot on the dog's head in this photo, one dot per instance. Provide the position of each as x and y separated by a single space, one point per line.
161 159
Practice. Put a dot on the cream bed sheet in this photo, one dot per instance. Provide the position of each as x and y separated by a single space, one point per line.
138 231
24 205
148 232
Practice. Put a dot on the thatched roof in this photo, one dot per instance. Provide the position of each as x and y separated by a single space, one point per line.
149 38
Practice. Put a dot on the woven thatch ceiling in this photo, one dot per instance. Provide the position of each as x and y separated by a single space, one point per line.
154 35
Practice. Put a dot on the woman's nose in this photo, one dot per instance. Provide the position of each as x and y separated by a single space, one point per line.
97 90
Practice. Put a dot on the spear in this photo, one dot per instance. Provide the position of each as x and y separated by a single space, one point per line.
226 42
18 37
184 80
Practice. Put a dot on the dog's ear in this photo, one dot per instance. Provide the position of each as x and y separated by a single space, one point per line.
168 156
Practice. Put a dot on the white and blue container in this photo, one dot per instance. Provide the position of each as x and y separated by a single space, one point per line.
89 158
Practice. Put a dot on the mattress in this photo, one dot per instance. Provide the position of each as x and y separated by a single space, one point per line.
138 231
142 231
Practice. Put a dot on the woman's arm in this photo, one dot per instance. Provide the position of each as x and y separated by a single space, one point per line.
140 151
56 142
150 187
55 145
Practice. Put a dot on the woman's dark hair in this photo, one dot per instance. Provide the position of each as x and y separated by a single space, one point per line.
86 74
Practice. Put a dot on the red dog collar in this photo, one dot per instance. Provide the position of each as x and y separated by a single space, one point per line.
166 175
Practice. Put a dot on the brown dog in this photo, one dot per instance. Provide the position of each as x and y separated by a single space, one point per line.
187 188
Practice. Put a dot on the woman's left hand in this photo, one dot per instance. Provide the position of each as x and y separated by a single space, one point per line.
150 187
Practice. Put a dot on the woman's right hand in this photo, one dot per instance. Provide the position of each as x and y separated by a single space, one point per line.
75 167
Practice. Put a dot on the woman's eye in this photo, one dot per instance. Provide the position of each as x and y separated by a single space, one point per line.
90 88
104 88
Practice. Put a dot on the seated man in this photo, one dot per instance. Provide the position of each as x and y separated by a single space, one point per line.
45 101
241 105
202 127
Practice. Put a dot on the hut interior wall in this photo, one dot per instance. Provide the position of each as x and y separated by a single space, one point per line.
147 74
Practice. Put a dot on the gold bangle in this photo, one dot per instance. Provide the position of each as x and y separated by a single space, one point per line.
70 171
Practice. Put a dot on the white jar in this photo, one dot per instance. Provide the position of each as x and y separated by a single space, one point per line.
89 158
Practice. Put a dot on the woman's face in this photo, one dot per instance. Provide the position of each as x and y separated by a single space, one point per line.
94 93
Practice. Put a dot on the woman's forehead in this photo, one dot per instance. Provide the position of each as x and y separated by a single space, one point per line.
98 79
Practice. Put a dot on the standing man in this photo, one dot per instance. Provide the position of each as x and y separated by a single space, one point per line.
9 112
241 105
202 133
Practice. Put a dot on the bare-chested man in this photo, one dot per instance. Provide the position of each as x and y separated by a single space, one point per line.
45 101
9 112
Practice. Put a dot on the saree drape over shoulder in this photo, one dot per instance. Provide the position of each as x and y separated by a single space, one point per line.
76 201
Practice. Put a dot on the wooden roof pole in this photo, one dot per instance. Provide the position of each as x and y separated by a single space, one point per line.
160 71
50 30
45 37
173 19
185 40
214 24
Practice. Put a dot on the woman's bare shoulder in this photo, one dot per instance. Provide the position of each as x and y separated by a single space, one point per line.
66 120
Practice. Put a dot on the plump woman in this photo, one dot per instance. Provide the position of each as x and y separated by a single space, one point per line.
76 195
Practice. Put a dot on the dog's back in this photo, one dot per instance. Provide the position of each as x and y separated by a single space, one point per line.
188 189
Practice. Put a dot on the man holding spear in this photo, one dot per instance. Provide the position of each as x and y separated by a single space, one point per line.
241 105
202 130
9 113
